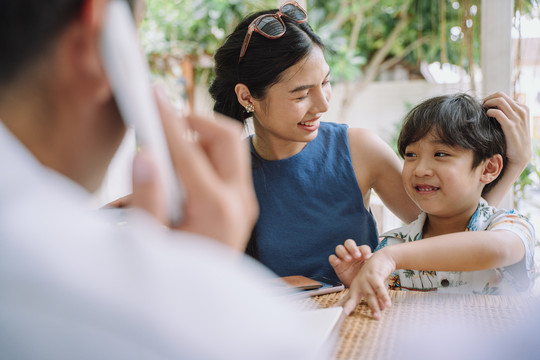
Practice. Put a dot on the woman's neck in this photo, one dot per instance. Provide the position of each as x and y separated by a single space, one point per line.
276 149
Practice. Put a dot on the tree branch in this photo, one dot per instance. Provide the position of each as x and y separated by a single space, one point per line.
357 25
341 17
396 59
373 66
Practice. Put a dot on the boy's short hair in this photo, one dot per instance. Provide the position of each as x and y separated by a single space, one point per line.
457 120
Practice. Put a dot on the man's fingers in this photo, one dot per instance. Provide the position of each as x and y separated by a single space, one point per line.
123 202
222 136
187 156
146 187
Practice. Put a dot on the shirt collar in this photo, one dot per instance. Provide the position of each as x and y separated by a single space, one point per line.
21 166
414 229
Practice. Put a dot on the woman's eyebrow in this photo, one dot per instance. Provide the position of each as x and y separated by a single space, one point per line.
305 87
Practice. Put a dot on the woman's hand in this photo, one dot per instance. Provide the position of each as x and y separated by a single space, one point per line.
514 120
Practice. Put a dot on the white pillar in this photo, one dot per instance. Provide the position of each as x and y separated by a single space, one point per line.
496 50
496 53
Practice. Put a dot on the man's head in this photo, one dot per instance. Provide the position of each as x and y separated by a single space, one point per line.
458 121
54 95
29 28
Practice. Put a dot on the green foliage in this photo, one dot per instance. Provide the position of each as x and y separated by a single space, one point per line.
353 30
191 28
335 23
529 178
396 129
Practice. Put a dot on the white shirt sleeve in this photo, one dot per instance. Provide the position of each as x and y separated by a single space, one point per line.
518 224
94 291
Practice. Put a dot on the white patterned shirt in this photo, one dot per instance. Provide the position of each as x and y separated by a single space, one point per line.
508 280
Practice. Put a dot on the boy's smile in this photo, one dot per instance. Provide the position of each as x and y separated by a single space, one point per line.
440 178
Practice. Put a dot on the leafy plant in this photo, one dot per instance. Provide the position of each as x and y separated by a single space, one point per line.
529 178
174 30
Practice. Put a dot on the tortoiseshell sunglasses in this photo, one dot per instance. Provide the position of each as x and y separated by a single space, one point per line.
272 26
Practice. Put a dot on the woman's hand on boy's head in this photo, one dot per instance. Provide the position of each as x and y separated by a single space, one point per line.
348 260
514 119
370 284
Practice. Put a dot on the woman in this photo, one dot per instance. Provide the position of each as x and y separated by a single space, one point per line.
313 179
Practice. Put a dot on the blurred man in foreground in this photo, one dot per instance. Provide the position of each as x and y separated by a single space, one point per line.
72 284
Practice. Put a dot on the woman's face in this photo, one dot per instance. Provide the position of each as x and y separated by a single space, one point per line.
289 116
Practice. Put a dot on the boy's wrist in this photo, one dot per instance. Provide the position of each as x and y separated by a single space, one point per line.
388 255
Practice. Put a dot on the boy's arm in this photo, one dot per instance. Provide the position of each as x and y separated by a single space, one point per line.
464 251
514 120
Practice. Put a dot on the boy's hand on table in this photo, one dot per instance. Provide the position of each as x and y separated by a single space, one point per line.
370 284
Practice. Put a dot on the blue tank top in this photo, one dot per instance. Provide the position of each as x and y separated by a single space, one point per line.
309 203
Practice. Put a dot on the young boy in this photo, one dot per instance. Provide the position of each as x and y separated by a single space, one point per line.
453 154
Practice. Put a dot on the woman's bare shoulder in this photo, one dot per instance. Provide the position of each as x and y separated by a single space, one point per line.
365 143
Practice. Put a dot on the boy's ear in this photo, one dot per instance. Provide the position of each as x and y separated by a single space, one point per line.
491 168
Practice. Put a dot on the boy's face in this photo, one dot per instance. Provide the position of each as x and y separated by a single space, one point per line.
440 178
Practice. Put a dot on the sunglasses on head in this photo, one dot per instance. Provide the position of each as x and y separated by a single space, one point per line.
271 26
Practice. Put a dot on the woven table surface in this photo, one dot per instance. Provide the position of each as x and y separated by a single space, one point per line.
361 337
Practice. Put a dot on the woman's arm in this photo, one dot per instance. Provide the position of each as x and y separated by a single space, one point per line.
514 120
378 167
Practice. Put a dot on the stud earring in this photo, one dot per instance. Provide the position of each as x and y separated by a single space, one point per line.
250 108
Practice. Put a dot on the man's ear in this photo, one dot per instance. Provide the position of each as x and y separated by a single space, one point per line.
90 26
93 13
491 168
243 95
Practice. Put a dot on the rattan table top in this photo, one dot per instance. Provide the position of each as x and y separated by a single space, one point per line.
364 338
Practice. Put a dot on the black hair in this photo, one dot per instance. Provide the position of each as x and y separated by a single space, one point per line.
28 28
263 63
457 120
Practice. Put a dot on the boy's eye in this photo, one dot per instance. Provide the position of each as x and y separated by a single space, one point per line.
410 154
302 97
440 154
